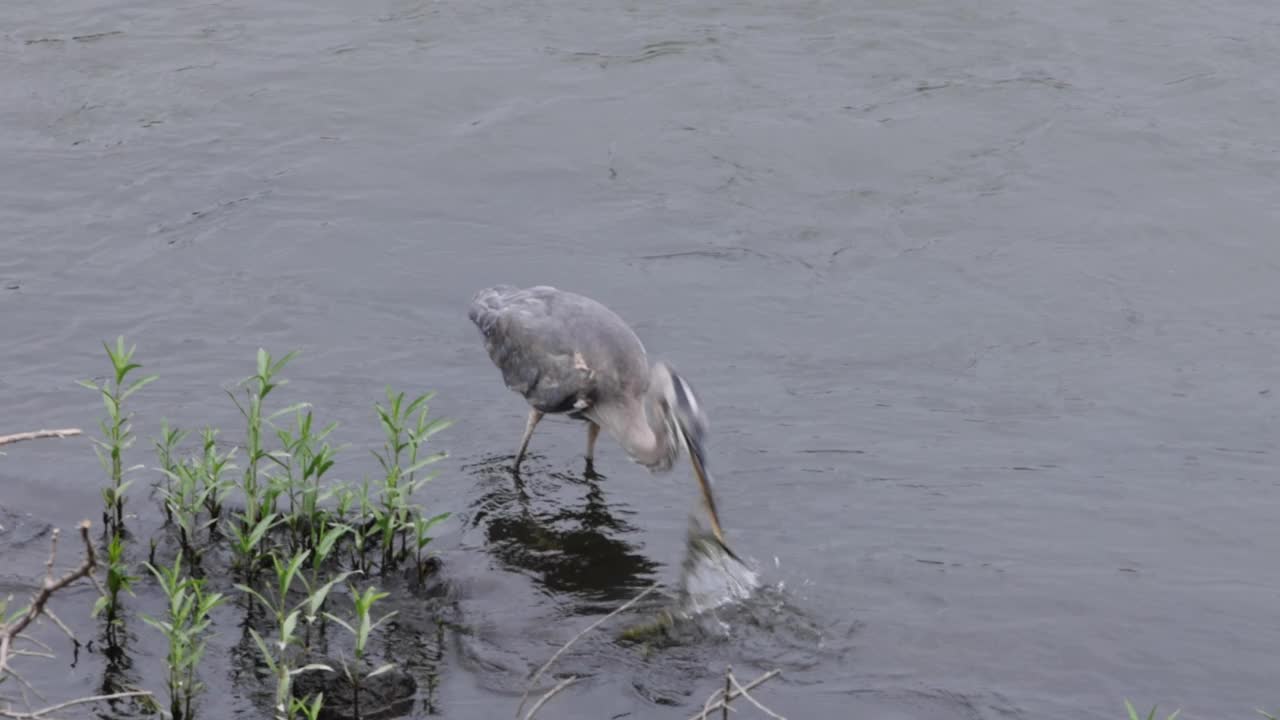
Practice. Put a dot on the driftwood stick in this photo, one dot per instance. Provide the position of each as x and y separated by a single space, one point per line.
724 701
711 700
743 692
728 679
38 434
11 630
524 698
550 694
62 706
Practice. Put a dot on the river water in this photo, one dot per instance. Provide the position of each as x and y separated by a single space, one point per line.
982 299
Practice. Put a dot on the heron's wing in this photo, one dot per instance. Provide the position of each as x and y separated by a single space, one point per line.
561 351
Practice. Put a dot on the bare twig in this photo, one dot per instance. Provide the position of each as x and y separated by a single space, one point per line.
37 435
33 641
11 630
722 702
524 698
25 687
31 653
61 626
550 694
711 700
70 703
728 680
743 692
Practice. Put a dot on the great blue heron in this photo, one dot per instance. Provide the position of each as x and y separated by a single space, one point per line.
568 354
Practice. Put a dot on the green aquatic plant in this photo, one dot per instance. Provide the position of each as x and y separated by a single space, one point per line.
421 538
167 454
361 627
306 459
297 536
308 709
365 523
406 429
116 429
276 653
119 580
318 592
257 387
184 627
247 543
214 467
197 485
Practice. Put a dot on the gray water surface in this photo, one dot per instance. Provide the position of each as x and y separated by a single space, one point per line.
982 299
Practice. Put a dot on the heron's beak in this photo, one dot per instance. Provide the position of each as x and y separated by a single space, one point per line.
699 470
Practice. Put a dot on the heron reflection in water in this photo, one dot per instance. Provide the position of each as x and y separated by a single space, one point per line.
568 354
559 530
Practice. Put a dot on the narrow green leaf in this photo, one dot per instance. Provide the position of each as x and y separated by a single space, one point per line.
341 622
434 427
138 386
290 624
437 457
262 599
316 599
285 411
262 647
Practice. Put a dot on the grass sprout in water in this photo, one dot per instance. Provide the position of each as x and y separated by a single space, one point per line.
360 628
119 579
278 654
184 626
277 511
117 431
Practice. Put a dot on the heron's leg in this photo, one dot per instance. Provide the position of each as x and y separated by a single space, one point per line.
593 431
534 416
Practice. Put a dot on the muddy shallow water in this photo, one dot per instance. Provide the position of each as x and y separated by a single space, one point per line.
982 300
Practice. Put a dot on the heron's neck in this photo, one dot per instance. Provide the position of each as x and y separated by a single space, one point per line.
641 433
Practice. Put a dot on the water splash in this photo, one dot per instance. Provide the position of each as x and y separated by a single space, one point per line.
711 576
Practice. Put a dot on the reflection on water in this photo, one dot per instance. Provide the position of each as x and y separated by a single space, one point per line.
557 528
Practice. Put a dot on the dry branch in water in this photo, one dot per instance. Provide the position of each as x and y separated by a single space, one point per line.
6 713
525 698
743 692
37 435
549 694
719 700
722 703
11 631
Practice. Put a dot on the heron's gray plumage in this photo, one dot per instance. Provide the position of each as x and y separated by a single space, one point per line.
568 354
560 350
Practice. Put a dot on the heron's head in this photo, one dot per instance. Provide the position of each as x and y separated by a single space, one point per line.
680 408
686 424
